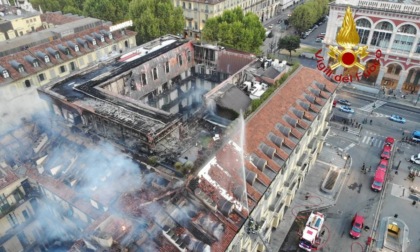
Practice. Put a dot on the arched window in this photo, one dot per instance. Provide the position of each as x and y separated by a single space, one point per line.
27 83
404 38
382 34
394 69
363 28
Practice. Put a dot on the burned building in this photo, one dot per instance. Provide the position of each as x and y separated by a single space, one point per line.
145 96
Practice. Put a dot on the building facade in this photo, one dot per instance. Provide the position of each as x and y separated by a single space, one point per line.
394 29
17 211
62 51
196 12
279 152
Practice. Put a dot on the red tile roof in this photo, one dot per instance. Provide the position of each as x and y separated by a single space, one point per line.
57 18
257 128
29 69
7 177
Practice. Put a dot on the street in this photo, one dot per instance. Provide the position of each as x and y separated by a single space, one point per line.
357 196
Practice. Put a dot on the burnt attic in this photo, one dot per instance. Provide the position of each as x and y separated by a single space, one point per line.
143 96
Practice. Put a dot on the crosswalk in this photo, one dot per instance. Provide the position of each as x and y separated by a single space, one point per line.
370 107
373 139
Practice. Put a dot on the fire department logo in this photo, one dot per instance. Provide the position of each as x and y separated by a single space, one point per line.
349 55
348 38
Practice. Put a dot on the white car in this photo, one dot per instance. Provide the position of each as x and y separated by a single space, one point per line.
415 159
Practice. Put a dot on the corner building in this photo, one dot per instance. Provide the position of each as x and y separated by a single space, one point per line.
394 29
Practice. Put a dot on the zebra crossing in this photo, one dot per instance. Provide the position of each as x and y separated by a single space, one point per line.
369 108
372 139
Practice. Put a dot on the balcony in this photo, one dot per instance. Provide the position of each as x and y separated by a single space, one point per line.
303 159
277 204
391 7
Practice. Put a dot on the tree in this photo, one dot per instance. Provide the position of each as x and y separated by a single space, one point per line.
46 5
290 43
235 30
155 18
303 17
306 15
109 10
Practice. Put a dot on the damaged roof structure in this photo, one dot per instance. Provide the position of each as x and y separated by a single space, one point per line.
145 96
148 96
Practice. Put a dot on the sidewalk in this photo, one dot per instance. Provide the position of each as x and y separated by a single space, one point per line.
329 157
367 90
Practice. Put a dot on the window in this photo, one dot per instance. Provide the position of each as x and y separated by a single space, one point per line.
189 56
21 69
57 56
62 69
35 63
143 79
167 66
363 28
196 25
72 66
126 43
404 39
27 83
382 37
155 73
41 77
76 48
180 59
183 5
25 214
5 74
93 41
47 59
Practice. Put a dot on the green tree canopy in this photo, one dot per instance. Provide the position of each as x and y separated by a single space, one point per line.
154 18
306 15
290 43
110 10
236 30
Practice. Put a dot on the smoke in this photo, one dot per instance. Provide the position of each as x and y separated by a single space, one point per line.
14 109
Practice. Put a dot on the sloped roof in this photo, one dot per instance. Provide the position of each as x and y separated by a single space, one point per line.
285 111
30 69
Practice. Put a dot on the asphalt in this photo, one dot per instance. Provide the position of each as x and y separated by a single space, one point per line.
411 100
330 156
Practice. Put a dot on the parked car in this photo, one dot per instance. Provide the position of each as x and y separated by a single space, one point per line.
346 109
318 40
386 152
357 225
416 136
344 102
270 26
383 164
389 140
397 118
415 159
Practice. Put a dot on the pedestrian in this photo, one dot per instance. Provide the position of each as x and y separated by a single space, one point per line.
370 122
370 168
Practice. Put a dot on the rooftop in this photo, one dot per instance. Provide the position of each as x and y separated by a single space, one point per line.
269 141
59 46
83 90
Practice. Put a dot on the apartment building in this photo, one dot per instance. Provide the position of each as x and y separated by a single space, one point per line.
388 26
39 58
17 22
282 140
196 12
17 209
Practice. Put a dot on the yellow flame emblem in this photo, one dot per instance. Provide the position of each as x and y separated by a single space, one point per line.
348 38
